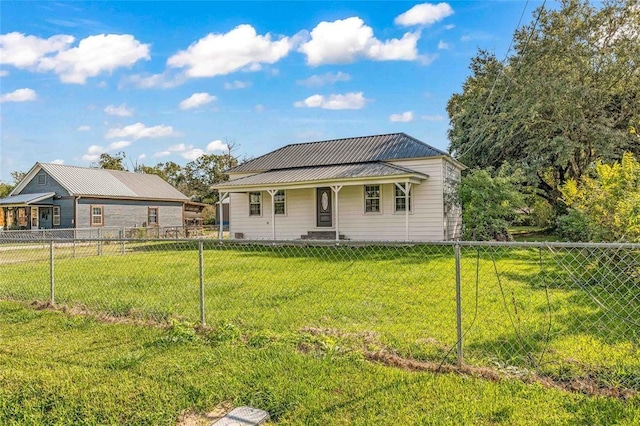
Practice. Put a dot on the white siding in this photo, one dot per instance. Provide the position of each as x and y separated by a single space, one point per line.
426 221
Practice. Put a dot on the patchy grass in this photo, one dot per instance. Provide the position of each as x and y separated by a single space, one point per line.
533 234
522 309
56 368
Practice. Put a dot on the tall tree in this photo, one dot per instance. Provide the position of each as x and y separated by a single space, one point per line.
112 162
207 170
568 96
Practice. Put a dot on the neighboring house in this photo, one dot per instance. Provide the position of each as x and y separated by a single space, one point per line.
57 196
384 187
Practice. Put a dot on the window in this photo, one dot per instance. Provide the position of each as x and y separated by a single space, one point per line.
42 179
255 204
279 202
400 200
153 216
372 198
56 215
97 216
22 217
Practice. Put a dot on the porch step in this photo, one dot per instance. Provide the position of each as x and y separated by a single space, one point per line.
321 235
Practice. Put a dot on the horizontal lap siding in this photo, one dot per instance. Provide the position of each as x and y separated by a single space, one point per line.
129 213
425 222
51 186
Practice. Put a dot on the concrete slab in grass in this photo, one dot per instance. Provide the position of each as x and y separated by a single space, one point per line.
243 416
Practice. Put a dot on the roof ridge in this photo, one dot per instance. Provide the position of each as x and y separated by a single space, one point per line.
425 144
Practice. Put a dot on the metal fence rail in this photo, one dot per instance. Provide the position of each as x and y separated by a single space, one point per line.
570 312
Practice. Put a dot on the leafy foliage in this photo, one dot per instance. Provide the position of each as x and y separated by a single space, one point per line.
112 162
607 204
567 97
489 203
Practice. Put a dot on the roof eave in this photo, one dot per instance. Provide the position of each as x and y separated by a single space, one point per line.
416 178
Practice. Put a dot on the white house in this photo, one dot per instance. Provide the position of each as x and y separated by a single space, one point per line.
355 188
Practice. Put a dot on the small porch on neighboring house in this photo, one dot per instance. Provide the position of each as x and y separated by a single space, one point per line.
325 202
29 211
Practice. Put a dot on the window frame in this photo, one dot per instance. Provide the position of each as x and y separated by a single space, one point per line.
397 197
283 202
92 215
44 179
379 198
55 220
259 204
157 222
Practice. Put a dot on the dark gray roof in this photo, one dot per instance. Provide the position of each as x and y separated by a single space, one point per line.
107 183
309 174
26 198
362 149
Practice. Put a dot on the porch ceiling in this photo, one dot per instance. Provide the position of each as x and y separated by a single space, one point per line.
343 174
25 199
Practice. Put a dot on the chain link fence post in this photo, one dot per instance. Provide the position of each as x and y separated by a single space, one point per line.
52 285
460 359
201 262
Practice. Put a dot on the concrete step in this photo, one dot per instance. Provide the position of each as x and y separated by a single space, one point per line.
321 235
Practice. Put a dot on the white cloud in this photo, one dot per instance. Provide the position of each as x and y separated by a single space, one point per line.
95 149
443 45
216 145
84 128
20 95
90 157
57 162
120 111
4 73
259 108
118 145
197 100
449 27
220 54
328 78
178 148
23 51
432 117
350 100
424 14
346 40
162 154
405 117
140 131
192 154
148 81
94 55
142 156
237 85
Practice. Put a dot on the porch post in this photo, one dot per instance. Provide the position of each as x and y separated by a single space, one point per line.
406 189
336 189
222 196
273 192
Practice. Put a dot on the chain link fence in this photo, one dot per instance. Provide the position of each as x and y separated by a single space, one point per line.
567 312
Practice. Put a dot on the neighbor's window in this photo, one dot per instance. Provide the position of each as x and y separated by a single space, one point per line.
56 215
153 216
22 217
42 179
279 202
97 215
372 198
400 200
255 203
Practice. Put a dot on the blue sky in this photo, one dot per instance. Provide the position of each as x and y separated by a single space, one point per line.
168 81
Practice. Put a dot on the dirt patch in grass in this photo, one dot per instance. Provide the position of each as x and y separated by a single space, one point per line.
582 385
190 418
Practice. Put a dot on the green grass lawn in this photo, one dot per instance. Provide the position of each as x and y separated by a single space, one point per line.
530 316
61 369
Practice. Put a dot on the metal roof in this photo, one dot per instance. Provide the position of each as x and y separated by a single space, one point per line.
341 151
26 198
310 174
111 183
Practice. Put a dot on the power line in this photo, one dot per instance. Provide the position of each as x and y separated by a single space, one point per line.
533 29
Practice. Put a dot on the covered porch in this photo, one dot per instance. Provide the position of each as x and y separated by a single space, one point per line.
28 211
323 202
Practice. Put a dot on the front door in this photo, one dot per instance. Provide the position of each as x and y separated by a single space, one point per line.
323 208
34 218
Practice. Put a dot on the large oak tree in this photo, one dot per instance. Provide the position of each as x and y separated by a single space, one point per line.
568 95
